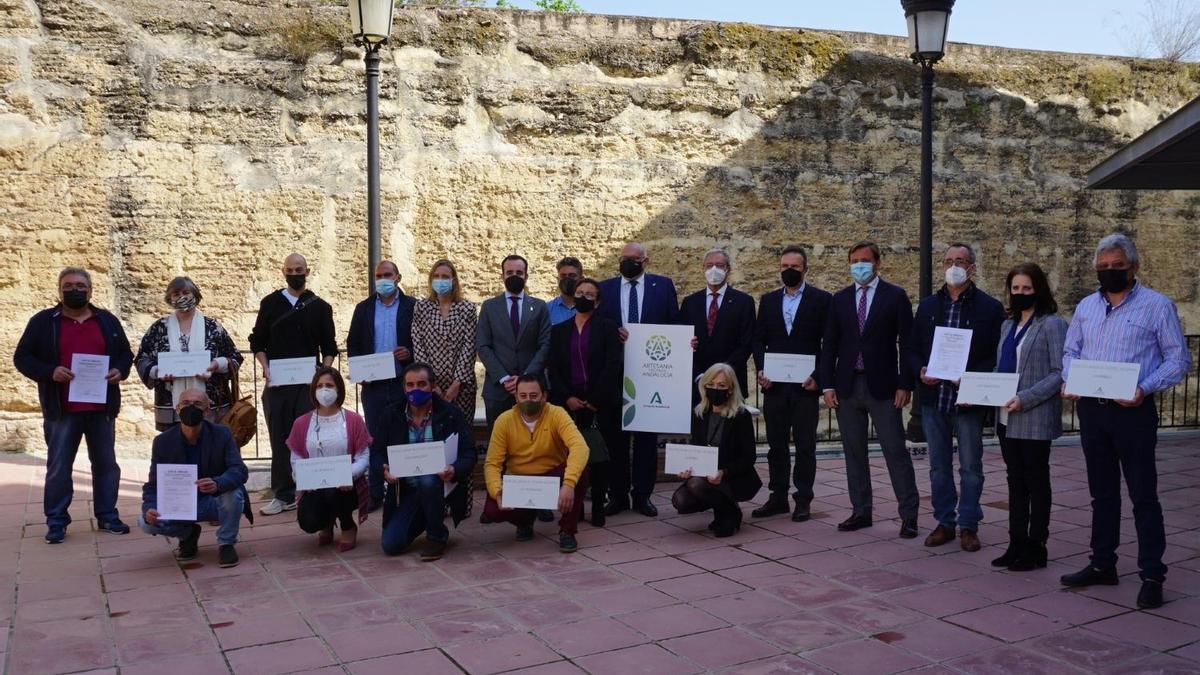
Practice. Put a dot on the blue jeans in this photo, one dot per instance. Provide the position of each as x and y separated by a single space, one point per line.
967 425
376 397
422 508
62 443
225 508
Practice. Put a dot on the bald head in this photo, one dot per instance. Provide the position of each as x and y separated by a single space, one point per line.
193 396
633 250
293 262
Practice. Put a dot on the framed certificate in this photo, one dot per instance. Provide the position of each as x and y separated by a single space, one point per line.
788 367
992 389
316 473
373 367
416 459
1103 379
530 492
701 460
183 364
292 371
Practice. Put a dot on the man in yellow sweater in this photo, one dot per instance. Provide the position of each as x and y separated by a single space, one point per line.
535 438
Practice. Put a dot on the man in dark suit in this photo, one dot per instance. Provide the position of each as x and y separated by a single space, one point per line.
723 320
791 320
862 375
512 338
636 297
382 323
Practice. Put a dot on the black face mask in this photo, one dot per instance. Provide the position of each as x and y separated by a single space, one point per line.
296 281
584 305
567 285
1113 281
791 277
514 284
717 396
191 415
631 269
1020 303
75 299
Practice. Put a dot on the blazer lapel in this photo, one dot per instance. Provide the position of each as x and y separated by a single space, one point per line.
873 308
1028 340
526 313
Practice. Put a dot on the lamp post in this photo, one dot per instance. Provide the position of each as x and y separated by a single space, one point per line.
928 21
371 24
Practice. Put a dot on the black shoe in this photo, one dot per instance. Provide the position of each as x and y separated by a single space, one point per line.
55 534
113 527
1011 554
597 515
908 528
1031 557
615 507
524 533
1091 576
645 508
854 523
1150 597
227 556
567 543
545 515
800 514
724 529
773 507
188 545
433 550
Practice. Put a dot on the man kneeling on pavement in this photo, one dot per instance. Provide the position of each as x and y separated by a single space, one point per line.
221 480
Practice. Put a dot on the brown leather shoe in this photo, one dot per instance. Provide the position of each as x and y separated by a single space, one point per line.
940 535
969 541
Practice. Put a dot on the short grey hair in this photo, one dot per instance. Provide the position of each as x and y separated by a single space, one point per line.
182 284
721 252
76 271
1114 242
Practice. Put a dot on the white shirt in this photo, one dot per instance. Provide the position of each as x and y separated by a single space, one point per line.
708 293
290 298
641 296
520 305
871 287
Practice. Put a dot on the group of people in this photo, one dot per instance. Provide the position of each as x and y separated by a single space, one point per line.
552 399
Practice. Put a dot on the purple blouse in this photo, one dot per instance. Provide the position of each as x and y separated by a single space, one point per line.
579 351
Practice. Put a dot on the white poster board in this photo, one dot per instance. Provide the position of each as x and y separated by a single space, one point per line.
657 387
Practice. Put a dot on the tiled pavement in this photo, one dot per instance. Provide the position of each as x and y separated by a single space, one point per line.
642 596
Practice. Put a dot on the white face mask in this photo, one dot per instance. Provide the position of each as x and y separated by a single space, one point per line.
956 276
714 275
326 397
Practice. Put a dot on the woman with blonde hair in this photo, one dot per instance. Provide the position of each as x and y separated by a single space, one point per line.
721 420
443 335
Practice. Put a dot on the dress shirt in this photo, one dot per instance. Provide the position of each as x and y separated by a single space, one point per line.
871 287
520 305
385 324
559 312
641 295
791 305
708 291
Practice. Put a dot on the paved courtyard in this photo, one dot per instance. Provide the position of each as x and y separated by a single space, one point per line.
642 596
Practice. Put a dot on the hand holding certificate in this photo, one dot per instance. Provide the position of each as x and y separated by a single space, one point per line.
183 364
89 384
990 389
530 492
948 358
1103 379
177 495
701 460
788 367
373 367
292 371
317 473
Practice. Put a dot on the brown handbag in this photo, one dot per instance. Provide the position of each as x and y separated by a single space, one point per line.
242 416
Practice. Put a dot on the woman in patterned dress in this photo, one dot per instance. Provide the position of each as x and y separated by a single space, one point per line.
443 335
186 329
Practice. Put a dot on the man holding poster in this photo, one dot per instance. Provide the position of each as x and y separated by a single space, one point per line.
535 438
1124 322
961 305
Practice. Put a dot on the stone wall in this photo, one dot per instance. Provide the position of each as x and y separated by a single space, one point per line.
145 139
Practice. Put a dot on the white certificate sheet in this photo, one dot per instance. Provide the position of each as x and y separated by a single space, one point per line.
183 364
372 367
789 367
292 371
89 385
701 460
177 494
451 458
1103 379
948 359
530 492
316 473
994 389
416 459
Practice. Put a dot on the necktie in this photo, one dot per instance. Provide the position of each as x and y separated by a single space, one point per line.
712 313
862 323
514 315
634 315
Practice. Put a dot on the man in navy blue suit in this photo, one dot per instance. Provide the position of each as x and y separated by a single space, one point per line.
791 320
863 376
637 297
723 320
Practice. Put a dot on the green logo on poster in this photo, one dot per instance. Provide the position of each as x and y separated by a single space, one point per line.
658 348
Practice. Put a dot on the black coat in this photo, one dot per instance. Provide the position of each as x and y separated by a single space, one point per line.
982 313
808 328
446 420
889 321
220 459
736 452
605 363
732 339
285 331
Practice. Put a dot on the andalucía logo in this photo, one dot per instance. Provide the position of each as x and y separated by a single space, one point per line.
658 348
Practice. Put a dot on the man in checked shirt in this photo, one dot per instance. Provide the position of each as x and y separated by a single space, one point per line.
1124 321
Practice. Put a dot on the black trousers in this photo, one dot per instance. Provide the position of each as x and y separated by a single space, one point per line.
633 459
1116 441
1027 465
318 509
791 416
282 405
697 494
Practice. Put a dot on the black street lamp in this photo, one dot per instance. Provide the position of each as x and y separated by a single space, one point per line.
371 24
928 21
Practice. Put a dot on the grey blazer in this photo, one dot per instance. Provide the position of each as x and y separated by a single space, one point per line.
1040 383
502 353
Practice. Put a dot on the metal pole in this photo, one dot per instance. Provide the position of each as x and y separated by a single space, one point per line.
926 180
372 62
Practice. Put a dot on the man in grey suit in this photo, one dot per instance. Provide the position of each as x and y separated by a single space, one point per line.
512 338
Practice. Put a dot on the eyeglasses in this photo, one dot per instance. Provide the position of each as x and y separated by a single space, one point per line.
957 262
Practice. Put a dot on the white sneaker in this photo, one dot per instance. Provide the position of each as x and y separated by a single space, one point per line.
275 507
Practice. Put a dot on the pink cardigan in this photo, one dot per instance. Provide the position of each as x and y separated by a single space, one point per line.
357 437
